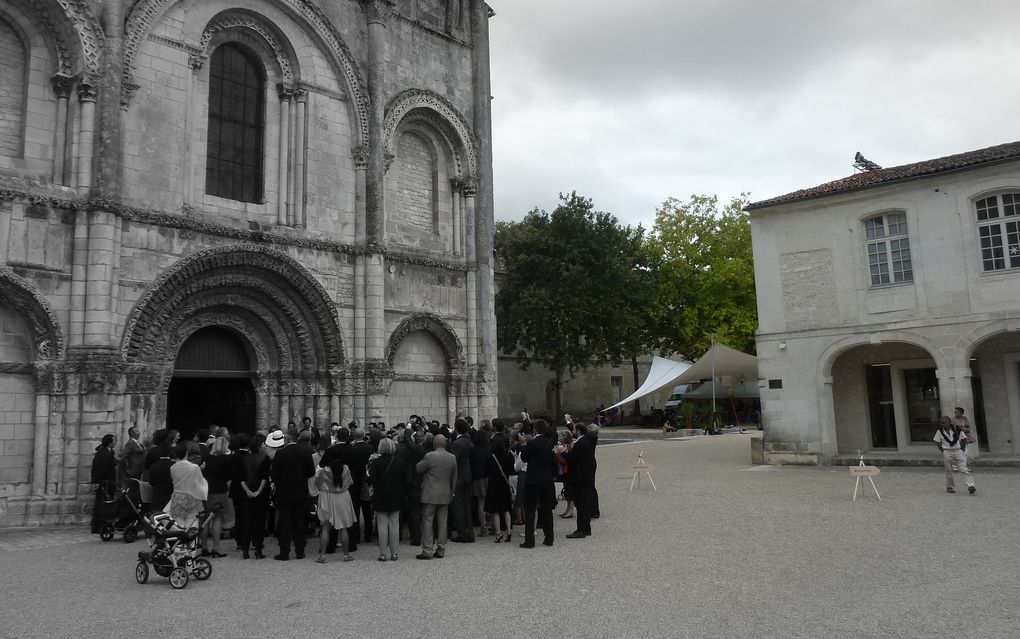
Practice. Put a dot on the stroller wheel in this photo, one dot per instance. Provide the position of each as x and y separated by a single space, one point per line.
178 578
142 572
106 532
202 569
130 533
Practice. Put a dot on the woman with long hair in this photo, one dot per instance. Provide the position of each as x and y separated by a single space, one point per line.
217 472
335 509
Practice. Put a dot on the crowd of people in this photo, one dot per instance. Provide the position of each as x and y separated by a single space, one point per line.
434 483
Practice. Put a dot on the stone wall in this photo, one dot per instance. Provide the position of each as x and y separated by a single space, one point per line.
12 90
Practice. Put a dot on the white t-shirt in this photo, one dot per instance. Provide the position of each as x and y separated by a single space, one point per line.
946 439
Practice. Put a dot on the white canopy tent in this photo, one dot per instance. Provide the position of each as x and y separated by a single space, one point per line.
662 373
720 361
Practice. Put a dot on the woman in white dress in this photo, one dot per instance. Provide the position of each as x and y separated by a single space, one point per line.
334 509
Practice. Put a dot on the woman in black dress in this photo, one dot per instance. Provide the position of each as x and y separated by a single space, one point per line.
498 499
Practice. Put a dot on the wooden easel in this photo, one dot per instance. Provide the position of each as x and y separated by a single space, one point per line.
860 470
642 467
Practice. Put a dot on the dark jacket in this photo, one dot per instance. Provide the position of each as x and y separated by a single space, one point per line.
538 455
292 467
104 465
581 461
461 449
218 471
412 453
479 457
388 475
161 481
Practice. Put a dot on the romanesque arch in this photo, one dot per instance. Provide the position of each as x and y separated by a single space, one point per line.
72 31
438 329
47 338
145 13
441 116
832 353
261 29
295 314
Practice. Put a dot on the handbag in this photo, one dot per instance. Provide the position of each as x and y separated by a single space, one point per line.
367 489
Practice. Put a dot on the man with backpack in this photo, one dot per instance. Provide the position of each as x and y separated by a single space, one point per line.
952 441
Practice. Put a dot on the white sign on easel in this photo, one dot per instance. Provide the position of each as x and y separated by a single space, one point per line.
642 467
860 470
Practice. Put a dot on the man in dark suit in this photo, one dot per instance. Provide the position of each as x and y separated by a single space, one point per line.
291 469
411 452
538 485
461 504
361 450
581 462
439 479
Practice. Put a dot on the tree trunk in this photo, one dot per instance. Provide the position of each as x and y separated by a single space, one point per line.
559 397
637 402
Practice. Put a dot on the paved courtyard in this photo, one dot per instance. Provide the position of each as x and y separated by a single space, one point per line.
722 549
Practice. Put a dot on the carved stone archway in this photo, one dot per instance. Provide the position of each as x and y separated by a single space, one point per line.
47 338
432 108
438 329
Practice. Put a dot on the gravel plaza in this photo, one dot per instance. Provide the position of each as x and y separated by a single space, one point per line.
721 549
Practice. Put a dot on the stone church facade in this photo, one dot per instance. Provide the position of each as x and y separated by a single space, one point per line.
242 212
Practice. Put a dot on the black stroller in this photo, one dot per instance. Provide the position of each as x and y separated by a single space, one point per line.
122 512
173 552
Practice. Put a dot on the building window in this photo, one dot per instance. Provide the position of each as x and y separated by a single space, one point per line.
998 218
236 123
888 249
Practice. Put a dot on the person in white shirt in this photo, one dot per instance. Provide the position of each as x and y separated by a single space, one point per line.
951 440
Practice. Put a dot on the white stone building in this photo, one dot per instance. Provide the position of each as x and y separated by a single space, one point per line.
241 212
885 299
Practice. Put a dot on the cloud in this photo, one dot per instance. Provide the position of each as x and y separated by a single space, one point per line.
632 102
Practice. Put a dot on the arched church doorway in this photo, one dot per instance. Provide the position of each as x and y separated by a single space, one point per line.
212 384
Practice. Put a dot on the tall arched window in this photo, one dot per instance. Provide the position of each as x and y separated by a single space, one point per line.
236 125
12 90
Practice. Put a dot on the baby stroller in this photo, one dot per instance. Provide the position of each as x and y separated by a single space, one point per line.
121 513
173 551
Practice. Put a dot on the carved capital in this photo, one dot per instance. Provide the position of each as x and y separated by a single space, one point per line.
196 62
377 11
360 155
285 91
62 85
301 95
86 92
456 184
470 187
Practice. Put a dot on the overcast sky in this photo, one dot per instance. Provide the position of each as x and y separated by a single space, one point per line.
632 101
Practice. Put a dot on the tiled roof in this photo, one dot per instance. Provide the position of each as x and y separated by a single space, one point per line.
879 177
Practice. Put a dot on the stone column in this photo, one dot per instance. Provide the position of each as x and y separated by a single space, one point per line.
360 156
79 265
86 133
102 257
282 213
55 440
484 221
195 62
471 283
300 141
455 186
62 89
42 423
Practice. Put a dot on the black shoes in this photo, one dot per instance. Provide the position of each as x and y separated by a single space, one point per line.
547 542
577 534
971 490
527 545
281 557
215 554
440 553
423 555
259 555
950 490
244 554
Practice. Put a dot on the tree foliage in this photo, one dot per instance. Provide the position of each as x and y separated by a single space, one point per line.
701 253
571 287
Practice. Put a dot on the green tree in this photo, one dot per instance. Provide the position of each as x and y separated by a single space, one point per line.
701 252
568 293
